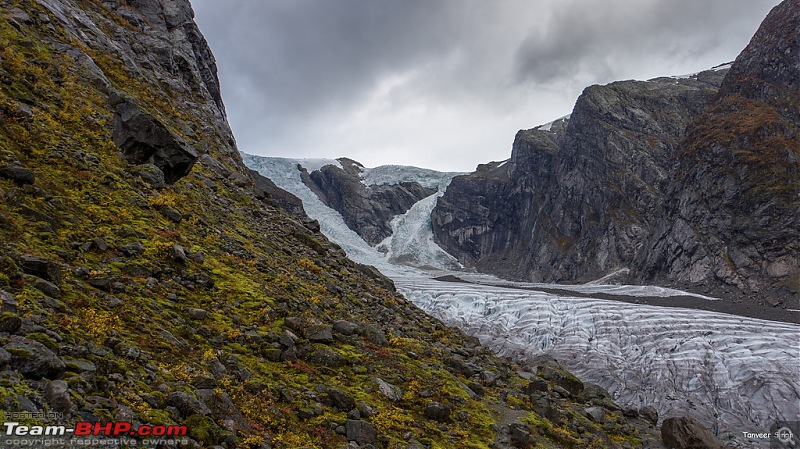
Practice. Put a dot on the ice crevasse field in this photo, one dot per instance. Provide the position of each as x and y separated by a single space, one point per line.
735 374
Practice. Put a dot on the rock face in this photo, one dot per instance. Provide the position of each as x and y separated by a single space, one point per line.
691 182
368 210
733 213
265 188
575 200
159 45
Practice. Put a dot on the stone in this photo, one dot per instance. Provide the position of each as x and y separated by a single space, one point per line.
344 327
198 314
41 267
649 414
438 412
33 359
150 174
295 324
79 366
7 302
187 404
48 288
222 408
288 339
143 139
20 176
320 334
374 335
595 414
327 357
5 358
171 213
10 322
338 398
133 249
21 16
57 394
391 392
360 431
520 434
562 378
179 254
687 433
536 384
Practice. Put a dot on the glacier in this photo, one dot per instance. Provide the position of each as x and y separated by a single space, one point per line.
735 374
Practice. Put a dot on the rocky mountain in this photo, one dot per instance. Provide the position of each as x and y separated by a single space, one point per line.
689 181
367 209
146 277
575 201
732 216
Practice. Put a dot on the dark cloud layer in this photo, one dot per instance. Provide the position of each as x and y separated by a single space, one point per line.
443 83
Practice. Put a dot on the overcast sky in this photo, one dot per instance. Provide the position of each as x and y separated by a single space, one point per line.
444 84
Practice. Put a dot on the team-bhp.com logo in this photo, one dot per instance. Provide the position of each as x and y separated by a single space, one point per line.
85 428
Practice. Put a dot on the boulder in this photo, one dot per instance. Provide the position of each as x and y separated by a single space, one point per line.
41 267
438 411
19 175
33 359
57 394
687 433
320 334
344 327
187 405
649 414
391 392
143 139
360 431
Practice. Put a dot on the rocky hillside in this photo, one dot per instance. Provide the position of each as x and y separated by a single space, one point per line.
145 277
691 182
734 198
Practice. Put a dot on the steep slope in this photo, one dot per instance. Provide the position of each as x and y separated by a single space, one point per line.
142 279
575 200
733 214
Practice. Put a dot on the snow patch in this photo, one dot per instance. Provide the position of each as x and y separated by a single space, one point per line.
315 164
549 125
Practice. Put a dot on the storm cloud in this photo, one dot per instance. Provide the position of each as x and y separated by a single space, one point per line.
446 83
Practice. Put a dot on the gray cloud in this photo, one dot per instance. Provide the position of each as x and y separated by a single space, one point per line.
443 83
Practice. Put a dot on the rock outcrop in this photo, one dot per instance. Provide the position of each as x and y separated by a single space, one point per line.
575 201
732 218
265 188
687 433
368 210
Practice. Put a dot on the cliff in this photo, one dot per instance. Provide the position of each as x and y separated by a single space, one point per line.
574 202
732 217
